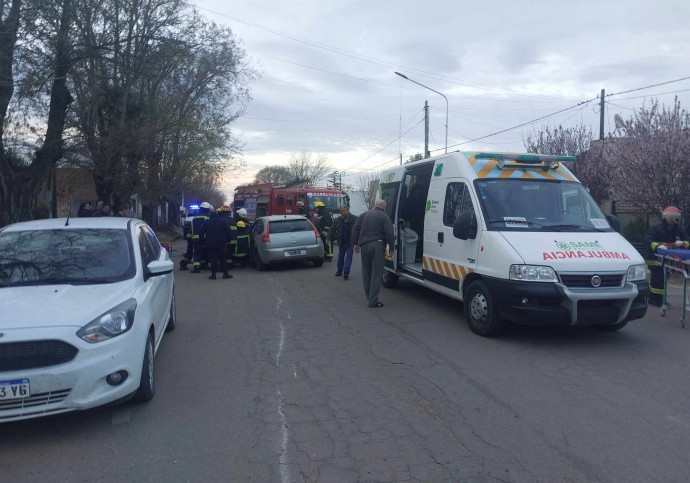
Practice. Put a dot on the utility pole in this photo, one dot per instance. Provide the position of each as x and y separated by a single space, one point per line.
400 159
426 129
601 116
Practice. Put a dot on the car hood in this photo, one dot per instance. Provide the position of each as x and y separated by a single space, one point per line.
574 251
59 305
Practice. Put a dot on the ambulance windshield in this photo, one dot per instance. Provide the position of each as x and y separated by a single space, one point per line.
539 205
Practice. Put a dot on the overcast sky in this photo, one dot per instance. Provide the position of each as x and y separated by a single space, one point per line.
328 85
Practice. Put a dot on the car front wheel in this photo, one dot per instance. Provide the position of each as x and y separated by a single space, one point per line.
147 384
480 311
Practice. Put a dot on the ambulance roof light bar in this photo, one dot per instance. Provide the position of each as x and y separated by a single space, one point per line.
543 161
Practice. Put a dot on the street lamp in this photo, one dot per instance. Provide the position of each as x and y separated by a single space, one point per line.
437 92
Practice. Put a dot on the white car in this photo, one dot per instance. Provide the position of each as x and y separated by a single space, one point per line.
85 303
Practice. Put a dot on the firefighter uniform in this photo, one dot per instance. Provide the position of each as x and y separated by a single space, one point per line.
667 233
197 242
241 254
325 225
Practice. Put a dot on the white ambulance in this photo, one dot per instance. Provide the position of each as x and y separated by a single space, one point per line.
516 237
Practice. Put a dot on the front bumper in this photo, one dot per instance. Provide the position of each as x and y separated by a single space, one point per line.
77 384
539 303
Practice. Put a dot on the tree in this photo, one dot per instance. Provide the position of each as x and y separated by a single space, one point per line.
575 141
46 31
309 167
414 157
649 159
273 174
367 188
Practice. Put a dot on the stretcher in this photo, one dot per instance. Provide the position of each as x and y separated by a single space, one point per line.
674 261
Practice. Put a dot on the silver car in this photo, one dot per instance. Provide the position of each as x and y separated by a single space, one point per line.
285 238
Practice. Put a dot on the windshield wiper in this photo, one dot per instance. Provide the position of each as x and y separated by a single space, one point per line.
576 225
59 281
527 222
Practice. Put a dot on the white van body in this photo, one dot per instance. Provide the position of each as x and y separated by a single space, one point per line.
516 237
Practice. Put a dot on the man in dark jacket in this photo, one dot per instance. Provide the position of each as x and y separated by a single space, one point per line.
215 233
669 234
373 236
341 233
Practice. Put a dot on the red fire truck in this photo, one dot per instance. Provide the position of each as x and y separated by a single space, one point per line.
271 199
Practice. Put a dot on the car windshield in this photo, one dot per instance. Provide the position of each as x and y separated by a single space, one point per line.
539 205
72 256
332 201
289 226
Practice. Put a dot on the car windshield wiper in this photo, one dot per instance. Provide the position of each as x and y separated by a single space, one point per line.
576 225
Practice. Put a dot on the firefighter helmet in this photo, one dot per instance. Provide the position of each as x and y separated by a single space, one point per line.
205 205
242 212
671 212
318 204
241 224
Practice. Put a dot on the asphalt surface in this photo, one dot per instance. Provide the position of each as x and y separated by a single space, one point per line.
287 375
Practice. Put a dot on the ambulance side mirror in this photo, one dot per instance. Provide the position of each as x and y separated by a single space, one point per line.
613 221
465 226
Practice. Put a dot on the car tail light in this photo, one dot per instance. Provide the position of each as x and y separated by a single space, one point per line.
316 232
266 238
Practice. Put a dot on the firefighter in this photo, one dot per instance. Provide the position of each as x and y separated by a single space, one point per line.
197 241
214 232
301 210
242 243
325 224
224 214
667 233
189 253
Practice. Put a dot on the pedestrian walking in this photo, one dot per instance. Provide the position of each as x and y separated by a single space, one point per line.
372 235
341 233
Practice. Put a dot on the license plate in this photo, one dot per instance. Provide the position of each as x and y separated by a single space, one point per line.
14 389
295 253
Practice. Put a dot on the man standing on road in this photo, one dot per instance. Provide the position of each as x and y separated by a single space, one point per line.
215 232
373 235
342 234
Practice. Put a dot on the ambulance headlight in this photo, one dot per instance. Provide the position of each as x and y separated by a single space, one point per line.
532 273
637 273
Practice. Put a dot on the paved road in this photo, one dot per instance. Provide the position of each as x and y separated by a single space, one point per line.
287 375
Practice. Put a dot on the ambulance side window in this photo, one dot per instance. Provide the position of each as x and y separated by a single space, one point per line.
458 201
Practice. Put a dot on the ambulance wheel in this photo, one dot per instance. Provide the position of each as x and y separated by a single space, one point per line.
389 280
318 262
480 311
257 261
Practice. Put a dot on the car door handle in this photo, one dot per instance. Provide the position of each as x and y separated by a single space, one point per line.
440 237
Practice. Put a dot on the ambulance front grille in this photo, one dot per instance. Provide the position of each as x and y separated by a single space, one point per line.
586 280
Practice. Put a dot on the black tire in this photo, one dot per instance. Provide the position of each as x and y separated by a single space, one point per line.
389 279
480 312
147 383
611 327
172 318
318 262
257 261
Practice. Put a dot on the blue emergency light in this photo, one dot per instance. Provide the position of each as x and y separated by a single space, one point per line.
193 207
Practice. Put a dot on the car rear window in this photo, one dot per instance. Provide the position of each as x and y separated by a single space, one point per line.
76 256
289 226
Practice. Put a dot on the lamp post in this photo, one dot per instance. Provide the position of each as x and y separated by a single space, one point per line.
437 92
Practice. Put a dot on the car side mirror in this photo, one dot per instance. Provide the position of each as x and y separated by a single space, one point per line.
465 226
159 267
613 221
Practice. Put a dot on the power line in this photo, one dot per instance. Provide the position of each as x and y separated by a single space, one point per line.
652 95
647 87
332 120
523 124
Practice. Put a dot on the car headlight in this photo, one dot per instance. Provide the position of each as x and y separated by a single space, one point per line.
114 322
532 273
637 273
